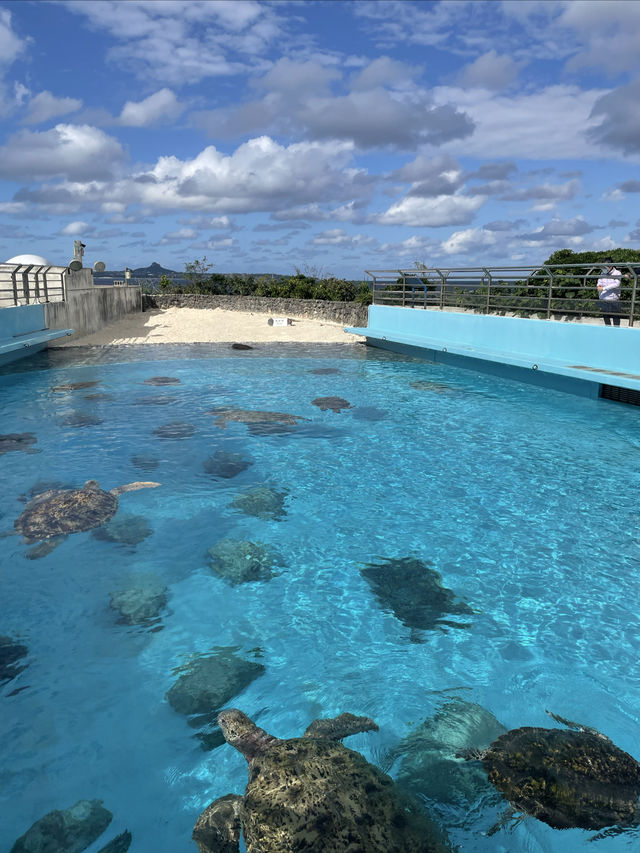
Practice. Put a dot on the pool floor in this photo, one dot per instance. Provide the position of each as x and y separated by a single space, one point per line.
430 542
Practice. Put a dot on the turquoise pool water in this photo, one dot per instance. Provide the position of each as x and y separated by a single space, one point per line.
524 501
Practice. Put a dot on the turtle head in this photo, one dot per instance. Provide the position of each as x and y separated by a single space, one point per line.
243 734
91 486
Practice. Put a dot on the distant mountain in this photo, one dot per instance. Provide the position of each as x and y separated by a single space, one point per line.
154 270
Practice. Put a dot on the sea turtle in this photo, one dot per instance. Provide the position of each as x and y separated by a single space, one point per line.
53 514
571 777
258 422
74 386
18 441
162 380
336 404
175 429
312 794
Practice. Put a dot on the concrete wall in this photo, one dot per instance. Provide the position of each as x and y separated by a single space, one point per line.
88 308
569 357
347 313
541 340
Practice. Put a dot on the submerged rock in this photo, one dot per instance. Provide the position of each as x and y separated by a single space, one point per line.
208 682
414 593
262 501
239 561
175 429
125 529
10 653
324 371
162 380
17 441
335 404
225 464
141 602
68 831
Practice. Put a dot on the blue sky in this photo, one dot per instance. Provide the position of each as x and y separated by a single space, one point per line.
330 136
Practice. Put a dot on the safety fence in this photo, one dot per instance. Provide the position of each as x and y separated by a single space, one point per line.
30 284
567 291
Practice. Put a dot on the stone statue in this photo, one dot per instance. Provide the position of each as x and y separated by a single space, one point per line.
78 249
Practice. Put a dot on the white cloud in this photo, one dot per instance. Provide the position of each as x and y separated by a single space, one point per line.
184 41
76 151
608 34
435 212
11 45
489 71
260 175
299 101
160 106
544 125
77 229
179 235
45 106
339 237
469 241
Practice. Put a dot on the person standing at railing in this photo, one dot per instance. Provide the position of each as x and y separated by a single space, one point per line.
609 293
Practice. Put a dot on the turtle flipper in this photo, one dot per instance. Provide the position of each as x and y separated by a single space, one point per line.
509 819
337 728
576 727
217 830
45 547
133 487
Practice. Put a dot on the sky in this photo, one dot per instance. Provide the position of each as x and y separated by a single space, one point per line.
317 135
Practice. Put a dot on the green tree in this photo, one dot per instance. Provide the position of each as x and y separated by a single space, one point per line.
197 272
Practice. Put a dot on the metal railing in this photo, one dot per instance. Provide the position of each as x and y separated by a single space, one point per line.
565 291
29 284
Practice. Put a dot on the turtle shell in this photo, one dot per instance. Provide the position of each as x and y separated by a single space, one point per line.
565 778
318 795
59 512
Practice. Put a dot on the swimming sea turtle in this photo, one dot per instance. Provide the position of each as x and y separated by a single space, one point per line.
565 778
312 794
54 514
18 441
336 404
258 422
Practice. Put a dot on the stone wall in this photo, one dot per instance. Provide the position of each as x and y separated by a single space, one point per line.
345 313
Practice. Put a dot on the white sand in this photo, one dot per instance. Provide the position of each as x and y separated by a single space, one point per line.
210 325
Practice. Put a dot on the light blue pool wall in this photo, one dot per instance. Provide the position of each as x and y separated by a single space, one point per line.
542 352
18 321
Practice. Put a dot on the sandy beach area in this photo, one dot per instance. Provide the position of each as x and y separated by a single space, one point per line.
198 325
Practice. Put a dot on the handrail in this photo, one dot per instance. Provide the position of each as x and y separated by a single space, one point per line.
26 284
545 290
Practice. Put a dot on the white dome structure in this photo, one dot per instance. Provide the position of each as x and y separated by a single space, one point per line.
35 260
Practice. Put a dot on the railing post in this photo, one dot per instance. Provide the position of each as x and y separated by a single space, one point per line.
404 288
633 296
488 275
14 283
549 295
